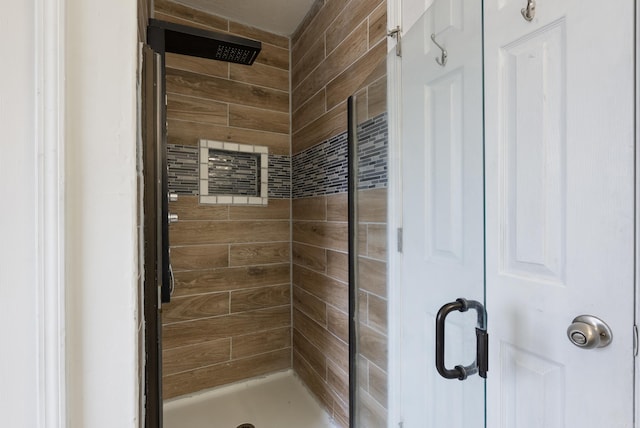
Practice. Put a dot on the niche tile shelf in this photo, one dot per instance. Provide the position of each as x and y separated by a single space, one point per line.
232 173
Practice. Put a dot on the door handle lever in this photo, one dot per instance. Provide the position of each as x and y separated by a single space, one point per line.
481 363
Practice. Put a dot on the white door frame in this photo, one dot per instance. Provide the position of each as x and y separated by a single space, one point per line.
637 219
394 279
394 216
50 209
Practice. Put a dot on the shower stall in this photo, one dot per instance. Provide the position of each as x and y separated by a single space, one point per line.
254 233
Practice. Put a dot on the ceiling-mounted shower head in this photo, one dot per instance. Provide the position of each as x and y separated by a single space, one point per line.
191 41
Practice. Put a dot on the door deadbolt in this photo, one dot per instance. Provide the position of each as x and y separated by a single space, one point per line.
588 332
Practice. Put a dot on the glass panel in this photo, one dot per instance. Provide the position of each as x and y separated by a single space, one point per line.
369 125
442 213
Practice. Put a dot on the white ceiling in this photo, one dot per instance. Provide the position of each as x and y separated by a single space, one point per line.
277 16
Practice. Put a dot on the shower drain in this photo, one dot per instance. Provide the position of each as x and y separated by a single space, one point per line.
246 426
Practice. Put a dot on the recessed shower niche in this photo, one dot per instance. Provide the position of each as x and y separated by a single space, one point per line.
232 173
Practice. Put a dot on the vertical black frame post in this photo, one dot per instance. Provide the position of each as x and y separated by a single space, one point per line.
156 38
151 130
352 196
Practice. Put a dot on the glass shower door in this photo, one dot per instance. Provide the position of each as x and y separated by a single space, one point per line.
368 182
443 355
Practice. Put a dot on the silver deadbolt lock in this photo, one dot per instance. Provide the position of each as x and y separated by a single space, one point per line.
588 332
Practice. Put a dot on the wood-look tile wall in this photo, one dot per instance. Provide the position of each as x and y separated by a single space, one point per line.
372 301
338 50
230 315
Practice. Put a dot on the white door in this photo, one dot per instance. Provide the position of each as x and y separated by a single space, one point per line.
558 184
443 254
559 211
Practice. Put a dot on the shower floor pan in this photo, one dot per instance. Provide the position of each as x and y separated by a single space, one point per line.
275 401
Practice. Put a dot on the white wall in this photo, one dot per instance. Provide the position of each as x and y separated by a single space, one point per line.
100 214
18 331
101 52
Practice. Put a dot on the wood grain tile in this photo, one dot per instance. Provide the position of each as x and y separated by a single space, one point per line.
144 12
258 34
195 356
311 59
373 346
378 313
315 8
327 235
274 56
226 232
189 133
316 28
378 385
363 307
310 257
226 279
372 414
350 17
362 239
313 380
312 306
338 323
260 75
199 257
277 209
225 373
338 265
259 254
337 207
328 125
327 289
314 208
194 64
377 97
188 208
334 348
261 342
338 380
224 90
373 276
309 111
194 307
377 241
372 206
239 324
361 73
352 48
362 106
314 356
378 24
260 298
258 119
192 109
194 15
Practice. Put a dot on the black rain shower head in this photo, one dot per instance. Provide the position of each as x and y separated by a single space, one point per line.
191 41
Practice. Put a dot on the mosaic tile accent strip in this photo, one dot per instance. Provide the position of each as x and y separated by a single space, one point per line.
183 169
233 173
183 172
322 169
373 136
279 176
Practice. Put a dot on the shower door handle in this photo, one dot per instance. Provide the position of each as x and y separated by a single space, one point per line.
481 363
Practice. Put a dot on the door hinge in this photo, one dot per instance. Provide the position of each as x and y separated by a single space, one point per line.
635 340
397 34
399 238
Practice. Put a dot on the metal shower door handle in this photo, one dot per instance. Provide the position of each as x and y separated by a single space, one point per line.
481 363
